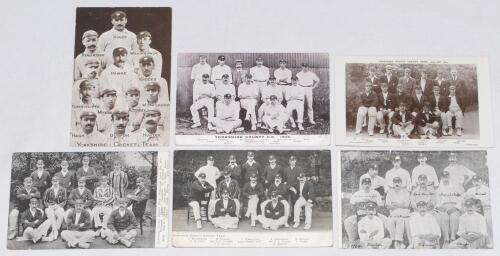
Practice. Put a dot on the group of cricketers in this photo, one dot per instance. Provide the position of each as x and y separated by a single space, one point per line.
268 99
270 194
421 210
87 204
408 108
119 96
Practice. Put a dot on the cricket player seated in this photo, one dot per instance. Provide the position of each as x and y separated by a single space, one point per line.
371 230
203 97
104 196
231 185
199 191
121 225
402 122
282 190
227 117
225 212
304 195
78 223
275 116
35 224
23 196
472 229
424 228
252 193
273 216
427 123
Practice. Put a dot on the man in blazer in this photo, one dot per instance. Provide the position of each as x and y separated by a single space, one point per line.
55 201
304 194
225 212
67 178
252 191
442 82
417 100
456 108
80 193
368 103
389 78
282 191
386 101
292 171
425 83
238 74
402 122
231 185
372 78
40 177
79 223
407 81
140 194
270 171
22 203
199 190
460 87
273 214
439 107
35 223
88 172
427 123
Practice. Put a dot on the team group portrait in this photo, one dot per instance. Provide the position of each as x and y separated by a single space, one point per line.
415 200
412 101
121 73
252 93
82 200
252 191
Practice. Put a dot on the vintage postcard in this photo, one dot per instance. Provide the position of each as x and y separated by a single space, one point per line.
121 77
83 200
253 99
412 101
415 199
257 198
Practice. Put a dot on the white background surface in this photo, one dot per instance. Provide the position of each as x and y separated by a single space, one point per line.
36 64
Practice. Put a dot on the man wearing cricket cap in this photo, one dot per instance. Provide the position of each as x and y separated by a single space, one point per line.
397 171
260 73
371 230
144 40
86 93
119 135
266 92
472 228
88 132
132 96
203 97
273 215
212 173
89 40
219 70
283 75
148 74
425 169
198 192
117 36
151 133
309 80
480 191
120 75
424 228
304 194
225 215
227 115
459 174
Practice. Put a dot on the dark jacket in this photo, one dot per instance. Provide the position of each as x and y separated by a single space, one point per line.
390 102
274 213
307 191
23 197
247 170
249 190
421 119
370 100
269 173
28 220
51 197
119 223
68 182
220 211
397 117
443 87
197 190
291 175
429 85
282 190
392 83
416 105
41 183
461 102
233 188
90 177
235 172
86 197
84 218
442 104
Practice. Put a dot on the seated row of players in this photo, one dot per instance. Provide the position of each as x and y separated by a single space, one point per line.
430 213
268 193
77 209
254 93
403 115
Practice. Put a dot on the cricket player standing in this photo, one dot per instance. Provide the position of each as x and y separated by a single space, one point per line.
219 70
91 53
309 80
119 76
295 96
144 50
248 93
260 73
201 68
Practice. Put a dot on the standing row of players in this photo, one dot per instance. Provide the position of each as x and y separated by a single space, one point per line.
255 90
405 106
429 212
118 72
77 199
246 190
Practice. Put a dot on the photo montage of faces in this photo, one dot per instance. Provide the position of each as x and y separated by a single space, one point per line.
252 98
121 77
258 198
415 199
83 200
413 101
